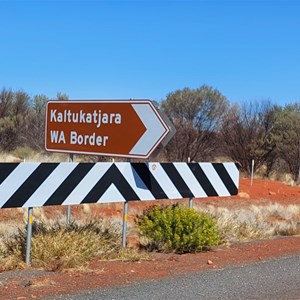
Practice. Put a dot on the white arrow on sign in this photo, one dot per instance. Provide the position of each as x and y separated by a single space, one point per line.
156 129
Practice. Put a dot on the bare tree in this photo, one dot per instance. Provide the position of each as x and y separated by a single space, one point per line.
247 134
35 130
287 132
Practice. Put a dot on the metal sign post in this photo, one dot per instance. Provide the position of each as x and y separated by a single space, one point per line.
190 198
252 172
125 219
71 159
29 235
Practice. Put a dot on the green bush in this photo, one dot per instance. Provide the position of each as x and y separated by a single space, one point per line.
179 229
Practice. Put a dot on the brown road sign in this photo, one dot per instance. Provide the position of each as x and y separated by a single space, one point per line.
124 128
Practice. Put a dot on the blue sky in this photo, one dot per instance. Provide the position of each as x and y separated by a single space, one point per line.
248 50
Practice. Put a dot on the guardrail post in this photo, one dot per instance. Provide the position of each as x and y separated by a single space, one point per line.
29 235
190 199
125 219
71 159
252 172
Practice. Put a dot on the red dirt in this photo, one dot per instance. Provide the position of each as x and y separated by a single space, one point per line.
260 193
112 273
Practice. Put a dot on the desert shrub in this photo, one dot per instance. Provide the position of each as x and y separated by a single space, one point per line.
255 222
179 229
68 245
240 225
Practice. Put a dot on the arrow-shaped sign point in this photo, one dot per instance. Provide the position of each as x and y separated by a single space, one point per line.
156 129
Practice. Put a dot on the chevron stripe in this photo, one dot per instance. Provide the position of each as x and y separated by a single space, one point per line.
190 179
203 179
6 170
86 184
178 181
67 186
14 180
112 176
42 184
30 185
48 187
144 172
227 181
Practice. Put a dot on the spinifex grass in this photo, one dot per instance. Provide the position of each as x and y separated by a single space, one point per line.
65 246
255 222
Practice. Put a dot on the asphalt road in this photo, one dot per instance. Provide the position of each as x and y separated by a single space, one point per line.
273 279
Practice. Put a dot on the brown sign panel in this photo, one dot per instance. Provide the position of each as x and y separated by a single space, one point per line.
125 128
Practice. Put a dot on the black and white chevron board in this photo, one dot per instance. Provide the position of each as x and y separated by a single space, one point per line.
42 184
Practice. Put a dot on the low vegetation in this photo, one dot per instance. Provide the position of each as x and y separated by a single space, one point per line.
56 245
60 245
176 228
255 222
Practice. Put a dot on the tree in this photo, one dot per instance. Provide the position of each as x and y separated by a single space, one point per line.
6 100
62 96
196 115
35 135
287 132
14 107
247 134
35 131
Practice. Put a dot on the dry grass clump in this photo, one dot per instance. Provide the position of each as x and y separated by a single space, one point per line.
26 154
256 222
56 246
6 231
